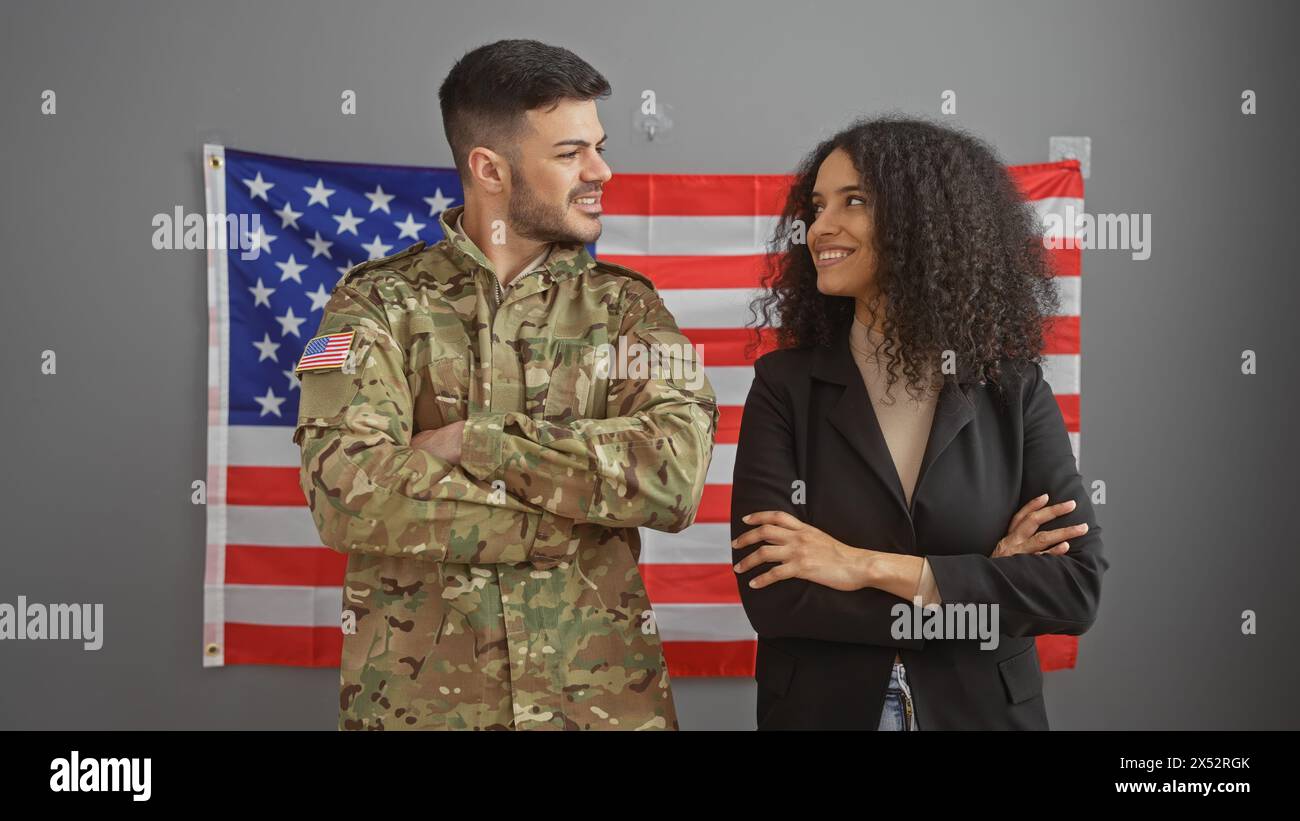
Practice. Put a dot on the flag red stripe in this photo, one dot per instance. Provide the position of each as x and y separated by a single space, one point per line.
715 504
307 566
264 486
744 195
1038 181
691 583
725 347
1069 405
278 644
696 271
729 423
710 658
1057 652
1065 262
695 195
1060 335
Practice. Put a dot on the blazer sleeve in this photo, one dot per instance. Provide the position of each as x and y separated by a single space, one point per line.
765 472
1037 594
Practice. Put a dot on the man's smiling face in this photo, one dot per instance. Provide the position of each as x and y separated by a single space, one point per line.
558 173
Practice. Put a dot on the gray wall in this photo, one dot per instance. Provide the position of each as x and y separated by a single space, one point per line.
1198 459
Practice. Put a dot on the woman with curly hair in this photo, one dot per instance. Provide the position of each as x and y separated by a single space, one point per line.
905 254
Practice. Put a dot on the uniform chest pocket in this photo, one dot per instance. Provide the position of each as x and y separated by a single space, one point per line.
575 384
435 336
443 391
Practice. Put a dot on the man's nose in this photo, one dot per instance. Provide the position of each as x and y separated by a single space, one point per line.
597 170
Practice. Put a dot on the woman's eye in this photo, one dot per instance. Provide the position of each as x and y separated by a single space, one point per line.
860 200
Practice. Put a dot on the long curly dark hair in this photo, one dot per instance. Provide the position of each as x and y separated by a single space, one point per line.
961 263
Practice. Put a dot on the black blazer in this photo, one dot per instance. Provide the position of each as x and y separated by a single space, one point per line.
825 656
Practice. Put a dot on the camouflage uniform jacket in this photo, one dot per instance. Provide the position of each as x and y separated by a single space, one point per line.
502 592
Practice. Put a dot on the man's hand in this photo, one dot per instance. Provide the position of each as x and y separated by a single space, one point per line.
443 442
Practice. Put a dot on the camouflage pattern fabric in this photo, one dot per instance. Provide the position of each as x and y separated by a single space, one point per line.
503 592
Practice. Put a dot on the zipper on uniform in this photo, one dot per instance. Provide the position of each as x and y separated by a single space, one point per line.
496 281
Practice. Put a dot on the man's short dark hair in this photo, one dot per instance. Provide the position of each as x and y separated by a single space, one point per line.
487 93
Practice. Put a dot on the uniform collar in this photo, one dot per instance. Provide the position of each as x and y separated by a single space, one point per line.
560 260
537 261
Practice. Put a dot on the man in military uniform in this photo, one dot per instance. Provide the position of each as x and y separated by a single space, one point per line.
479 458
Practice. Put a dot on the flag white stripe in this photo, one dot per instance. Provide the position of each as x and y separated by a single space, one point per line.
729 307
710 307
708 543
703 622
269 446
272 526
284 605
709 236
722 466
685 236
1068 292
300 606
1061 371
731 384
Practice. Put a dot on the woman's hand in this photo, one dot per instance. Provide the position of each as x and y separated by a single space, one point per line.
1022 535
801 551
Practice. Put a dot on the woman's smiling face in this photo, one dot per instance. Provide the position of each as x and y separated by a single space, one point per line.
841 237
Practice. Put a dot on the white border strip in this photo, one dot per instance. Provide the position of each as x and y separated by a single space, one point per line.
214 570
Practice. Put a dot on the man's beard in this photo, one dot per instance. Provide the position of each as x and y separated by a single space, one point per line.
535 219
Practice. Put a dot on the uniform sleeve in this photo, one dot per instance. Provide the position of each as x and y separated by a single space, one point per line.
369 491
764 475
642 466
1037 594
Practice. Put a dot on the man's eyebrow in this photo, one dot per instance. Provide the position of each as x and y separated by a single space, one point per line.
581 143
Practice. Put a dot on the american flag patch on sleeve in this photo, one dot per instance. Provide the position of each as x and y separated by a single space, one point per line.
328 351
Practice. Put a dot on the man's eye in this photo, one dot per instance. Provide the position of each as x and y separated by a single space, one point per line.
569 155
600 149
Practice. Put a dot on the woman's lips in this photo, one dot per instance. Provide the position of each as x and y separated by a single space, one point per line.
826 263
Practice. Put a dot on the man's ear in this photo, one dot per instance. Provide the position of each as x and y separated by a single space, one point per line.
489 170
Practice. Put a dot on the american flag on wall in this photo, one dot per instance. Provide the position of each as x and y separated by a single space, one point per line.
272 592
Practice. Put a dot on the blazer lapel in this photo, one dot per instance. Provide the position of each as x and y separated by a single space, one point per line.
953 412
854 417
